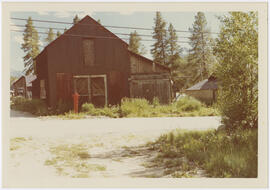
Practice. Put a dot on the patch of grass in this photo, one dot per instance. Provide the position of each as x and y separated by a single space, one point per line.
135 107
50 162
72 115
130 107
188 103
72 160
111 111
218 153
15 143
181 175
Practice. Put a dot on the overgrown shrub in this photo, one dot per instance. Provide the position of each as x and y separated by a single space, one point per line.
63 106
188 103
87 107
111 111
34 106
219 153
142 108
129 108
135 107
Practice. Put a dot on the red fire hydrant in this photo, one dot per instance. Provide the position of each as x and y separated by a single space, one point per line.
76 102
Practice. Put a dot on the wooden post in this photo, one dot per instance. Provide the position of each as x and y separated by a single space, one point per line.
106 93
89 89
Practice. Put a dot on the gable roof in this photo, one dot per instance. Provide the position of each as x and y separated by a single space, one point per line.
14 82
28 79
102 27
206 84
149 60
87 17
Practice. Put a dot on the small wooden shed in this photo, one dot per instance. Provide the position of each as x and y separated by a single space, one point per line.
23 86
205 91
94 62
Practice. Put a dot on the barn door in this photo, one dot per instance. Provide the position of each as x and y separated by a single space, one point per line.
98 91
81 86
92 89
63 85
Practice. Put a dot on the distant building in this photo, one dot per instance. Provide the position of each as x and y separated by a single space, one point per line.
205 91
23 86
95 63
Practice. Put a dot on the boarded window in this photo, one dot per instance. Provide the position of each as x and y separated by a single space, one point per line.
88 52
42 89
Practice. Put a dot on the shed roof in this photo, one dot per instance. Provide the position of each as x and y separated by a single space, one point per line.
148 60
206 84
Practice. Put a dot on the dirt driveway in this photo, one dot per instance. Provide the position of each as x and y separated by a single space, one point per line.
91 147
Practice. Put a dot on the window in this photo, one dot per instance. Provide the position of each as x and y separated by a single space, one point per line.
88 52
42 89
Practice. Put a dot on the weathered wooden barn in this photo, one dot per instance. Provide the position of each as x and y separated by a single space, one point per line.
91 60
205 90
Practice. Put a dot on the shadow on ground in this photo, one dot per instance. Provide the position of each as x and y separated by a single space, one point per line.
152 165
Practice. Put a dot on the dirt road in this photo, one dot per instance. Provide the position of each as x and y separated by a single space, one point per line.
91 147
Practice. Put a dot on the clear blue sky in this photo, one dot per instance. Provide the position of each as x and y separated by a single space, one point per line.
180 21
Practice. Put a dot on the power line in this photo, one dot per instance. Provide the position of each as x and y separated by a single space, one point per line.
89 36
56 28
108 26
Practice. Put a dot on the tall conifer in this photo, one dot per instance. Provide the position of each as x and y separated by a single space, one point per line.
200 54
50 37
174 59
159 50
76 19
135 44
58 34
30 46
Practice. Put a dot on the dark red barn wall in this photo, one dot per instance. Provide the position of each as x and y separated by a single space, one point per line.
65 55
42 74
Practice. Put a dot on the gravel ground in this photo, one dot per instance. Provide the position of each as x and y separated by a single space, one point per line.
48 148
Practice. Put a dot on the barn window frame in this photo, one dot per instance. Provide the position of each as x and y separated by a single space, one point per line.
84 54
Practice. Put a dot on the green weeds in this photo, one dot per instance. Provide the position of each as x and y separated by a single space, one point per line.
186 106
218 153
72 160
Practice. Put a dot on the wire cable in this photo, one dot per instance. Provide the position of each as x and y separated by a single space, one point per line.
108 26
91 36
125 34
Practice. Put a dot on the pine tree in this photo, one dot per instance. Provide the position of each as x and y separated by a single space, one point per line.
76 19
50 37
135 44
30 46
200 54
159 50
174 58
58 34
173 50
